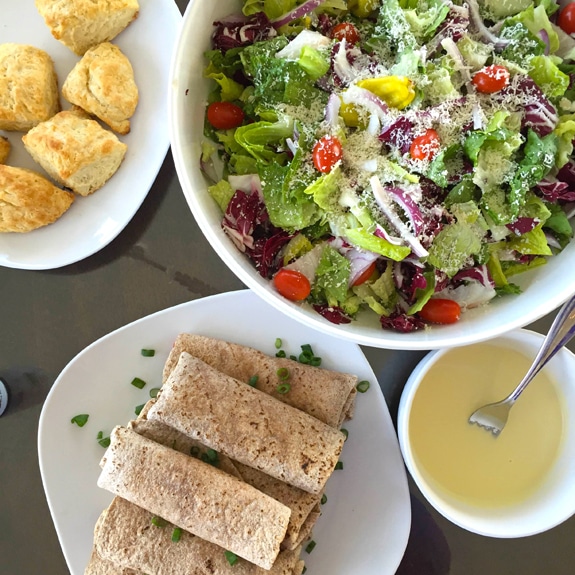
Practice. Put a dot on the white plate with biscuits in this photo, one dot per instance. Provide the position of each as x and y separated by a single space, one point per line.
94 220
365 522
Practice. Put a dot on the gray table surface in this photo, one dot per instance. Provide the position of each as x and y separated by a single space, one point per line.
162 259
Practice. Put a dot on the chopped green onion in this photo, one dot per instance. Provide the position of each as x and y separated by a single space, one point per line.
231 557
345 432
293 357
281 353
158 521
100 435
154 392
362 386
139 408
323 500
315 361
308 357
80 420
310 546
303 570
278 343
176 534
194 451
339 465
148 352
103 441
253 380
283 388
283 373
210 456
139 383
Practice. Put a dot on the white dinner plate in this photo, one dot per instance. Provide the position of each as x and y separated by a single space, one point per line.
365 522
94 221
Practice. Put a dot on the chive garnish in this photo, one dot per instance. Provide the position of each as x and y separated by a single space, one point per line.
283 388
139 383
310 546
103 441
362 386
278 343
281 353
138 408
80 420
308 357
345 432
323 499
231 557
158 521
210 456
293 357
339 465
253 380
148 352
194 451
176 534
283 373
154 392
303 570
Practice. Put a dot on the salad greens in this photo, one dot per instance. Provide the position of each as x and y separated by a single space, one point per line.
391 153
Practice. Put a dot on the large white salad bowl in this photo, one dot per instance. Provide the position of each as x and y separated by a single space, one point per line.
544 288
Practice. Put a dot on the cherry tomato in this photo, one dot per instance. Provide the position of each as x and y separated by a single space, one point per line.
345 31
326 153
225 115
440 311
293 285
365 275
566 19
424 147
491 79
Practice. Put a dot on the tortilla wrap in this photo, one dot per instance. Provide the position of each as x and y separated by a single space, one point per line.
195 496
305 509
327 395
248 425
101 566
129 538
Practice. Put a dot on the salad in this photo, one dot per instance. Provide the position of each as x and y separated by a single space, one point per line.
408 157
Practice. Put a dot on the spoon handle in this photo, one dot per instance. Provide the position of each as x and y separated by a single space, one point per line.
561 331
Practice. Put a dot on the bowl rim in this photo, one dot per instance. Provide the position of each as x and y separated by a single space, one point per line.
503 526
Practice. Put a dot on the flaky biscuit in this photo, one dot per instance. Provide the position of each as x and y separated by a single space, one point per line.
81 24
28 87
102 83
28 200
5 148
76 151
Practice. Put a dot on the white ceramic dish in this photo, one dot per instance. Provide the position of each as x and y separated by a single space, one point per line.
365 523
93 222
554 501
544 288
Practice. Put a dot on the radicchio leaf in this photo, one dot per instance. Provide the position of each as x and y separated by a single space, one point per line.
399 321
239 31
334 314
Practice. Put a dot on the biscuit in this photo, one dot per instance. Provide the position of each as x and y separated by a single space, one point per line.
5 148
81 24
28 87
76 151
102 83
28 200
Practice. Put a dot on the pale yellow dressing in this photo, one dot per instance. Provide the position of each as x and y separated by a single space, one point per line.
467 462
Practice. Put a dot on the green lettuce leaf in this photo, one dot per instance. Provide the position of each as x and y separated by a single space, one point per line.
565 131
258 139
271 8
222 192
548 76
332 276
362 238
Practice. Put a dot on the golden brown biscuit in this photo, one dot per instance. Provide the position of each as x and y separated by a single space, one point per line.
28 200
5 148
28 87
102 83
76 151
81 24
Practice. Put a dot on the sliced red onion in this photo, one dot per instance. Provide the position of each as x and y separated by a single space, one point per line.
381 232
478 273
332 109
292 51
297 12
478 123
486 35
470 295
384 201
291 145
544 36
362 97
409 206
342 67
552 241
452 50
360 260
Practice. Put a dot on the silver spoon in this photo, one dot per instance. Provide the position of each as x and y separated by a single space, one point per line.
493 416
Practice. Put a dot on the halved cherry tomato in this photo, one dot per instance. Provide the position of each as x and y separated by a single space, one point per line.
293 285
566 19
491 79
440 311
424 147
225 115
365 275
345 31
326 153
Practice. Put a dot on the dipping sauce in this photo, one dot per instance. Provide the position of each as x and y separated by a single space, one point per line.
466 462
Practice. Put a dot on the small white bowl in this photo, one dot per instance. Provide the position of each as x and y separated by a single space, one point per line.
552 501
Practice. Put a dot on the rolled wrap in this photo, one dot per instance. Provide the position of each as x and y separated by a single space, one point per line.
327 395
128 538
194 496
248 425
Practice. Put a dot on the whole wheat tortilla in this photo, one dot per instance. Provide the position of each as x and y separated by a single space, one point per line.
127 537
305 509
195 496
248 425
327 395
100 566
